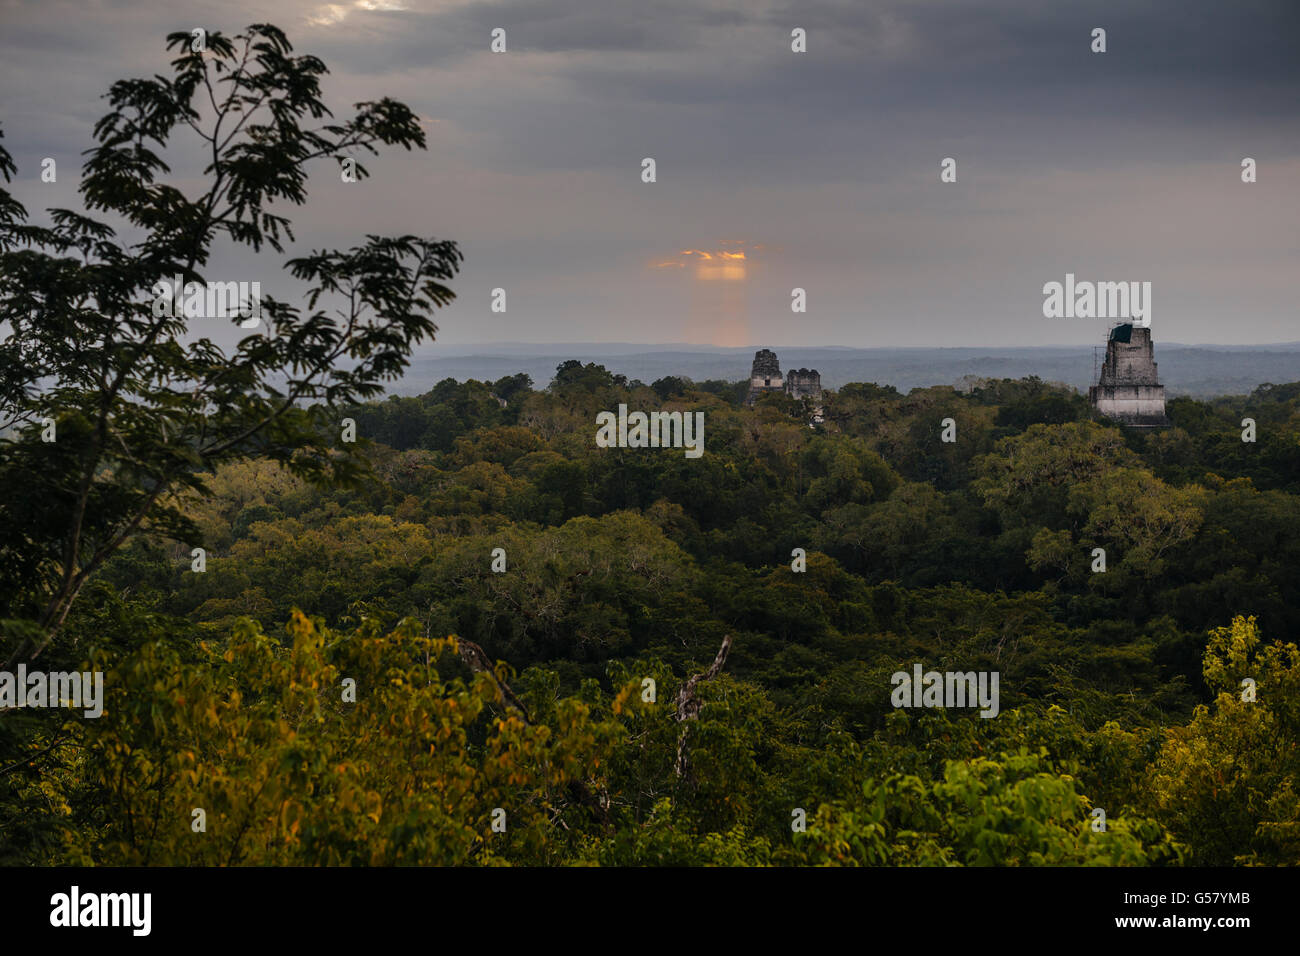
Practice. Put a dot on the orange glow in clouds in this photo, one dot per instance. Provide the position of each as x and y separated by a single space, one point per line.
720 264
720 316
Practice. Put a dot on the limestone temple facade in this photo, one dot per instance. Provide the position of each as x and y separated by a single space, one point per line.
1128 389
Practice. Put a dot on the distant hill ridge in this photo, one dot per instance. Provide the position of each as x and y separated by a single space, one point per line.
1201 371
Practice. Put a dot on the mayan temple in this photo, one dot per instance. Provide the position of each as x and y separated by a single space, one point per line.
803 383
1128 389
765 376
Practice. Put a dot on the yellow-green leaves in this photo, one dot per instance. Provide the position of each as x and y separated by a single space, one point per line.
288 774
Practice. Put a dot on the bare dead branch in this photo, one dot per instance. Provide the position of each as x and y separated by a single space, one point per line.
689 705
478 662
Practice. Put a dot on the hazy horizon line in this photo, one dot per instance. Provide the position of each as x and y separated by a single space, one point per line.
689 346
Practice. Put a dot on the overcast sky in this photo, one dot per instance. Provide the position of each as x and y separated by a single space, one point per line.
821 168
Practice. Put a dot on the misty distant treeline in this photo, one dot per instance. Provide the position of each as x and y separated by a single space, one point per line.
1195 371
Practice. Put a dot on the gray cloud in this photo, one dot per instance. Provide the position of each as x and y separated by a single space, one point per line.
1121 165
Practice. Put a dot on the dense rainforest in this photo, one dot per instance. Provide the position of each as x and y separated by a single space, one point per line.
500 643
335 627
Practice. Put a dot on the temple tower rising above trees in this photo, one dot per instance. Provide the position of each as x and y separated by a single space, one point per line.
766 376
1128 389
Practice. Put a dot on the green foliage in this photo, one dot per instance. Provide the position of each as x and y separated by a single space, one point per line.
259 736
624 571
1016 810
1226 782
623 567
142 408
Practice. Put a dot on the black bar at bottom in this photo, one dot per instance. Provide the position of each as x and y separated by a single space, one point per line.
193 906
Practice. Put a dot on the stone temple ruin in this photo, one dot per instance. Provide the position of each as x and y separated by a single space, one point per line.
766 377
803 383
1128 389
